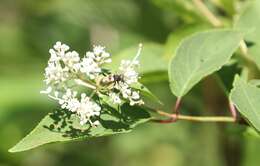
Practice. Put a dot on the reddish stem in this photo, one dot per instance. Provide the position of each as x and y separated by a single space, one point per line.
174 115
175 111
173 118
232 110
177 106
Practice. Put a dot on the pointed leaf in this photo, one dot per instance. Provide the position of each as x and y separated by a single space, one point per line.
200 55
61 126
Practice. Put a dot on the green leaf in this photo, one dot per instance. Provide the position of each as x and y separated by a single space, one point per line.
61 126
251 132
175 37
150 59
254 52
255 82
249 21
246 98
145 93
200 55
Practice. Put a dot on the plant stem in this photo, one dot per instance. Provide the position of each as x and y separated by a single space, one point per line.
207 13
175 110
85 83
243 47
244 53
177 106
192 118
233 110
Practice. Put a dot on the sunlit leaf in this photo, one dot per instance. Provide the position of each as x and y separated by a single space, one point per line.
61 126
254 52
249 21
177 36
254 82
246 98
200 55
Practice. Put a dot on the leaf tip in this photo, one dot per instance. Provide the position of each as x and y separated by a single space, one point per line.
13 149
17 148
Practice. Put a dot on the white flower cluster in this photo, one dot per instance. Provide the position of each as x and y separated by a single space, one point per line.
64 65
84 108
93 60
129 76
66 69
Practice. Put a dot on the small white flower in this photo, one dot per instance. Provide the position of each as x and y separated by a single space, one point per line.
98 50
135 95
124 89
61 47
135 98
54 57
71 60
99 55
126 92
68 100
127 68
90 55
56 94
131 76
83 120
87 109
89 67
72 105
105 54
96 123
115 98
55 73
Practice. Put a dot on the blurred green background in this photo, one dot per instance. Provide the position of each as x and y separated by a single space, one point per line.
28 28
